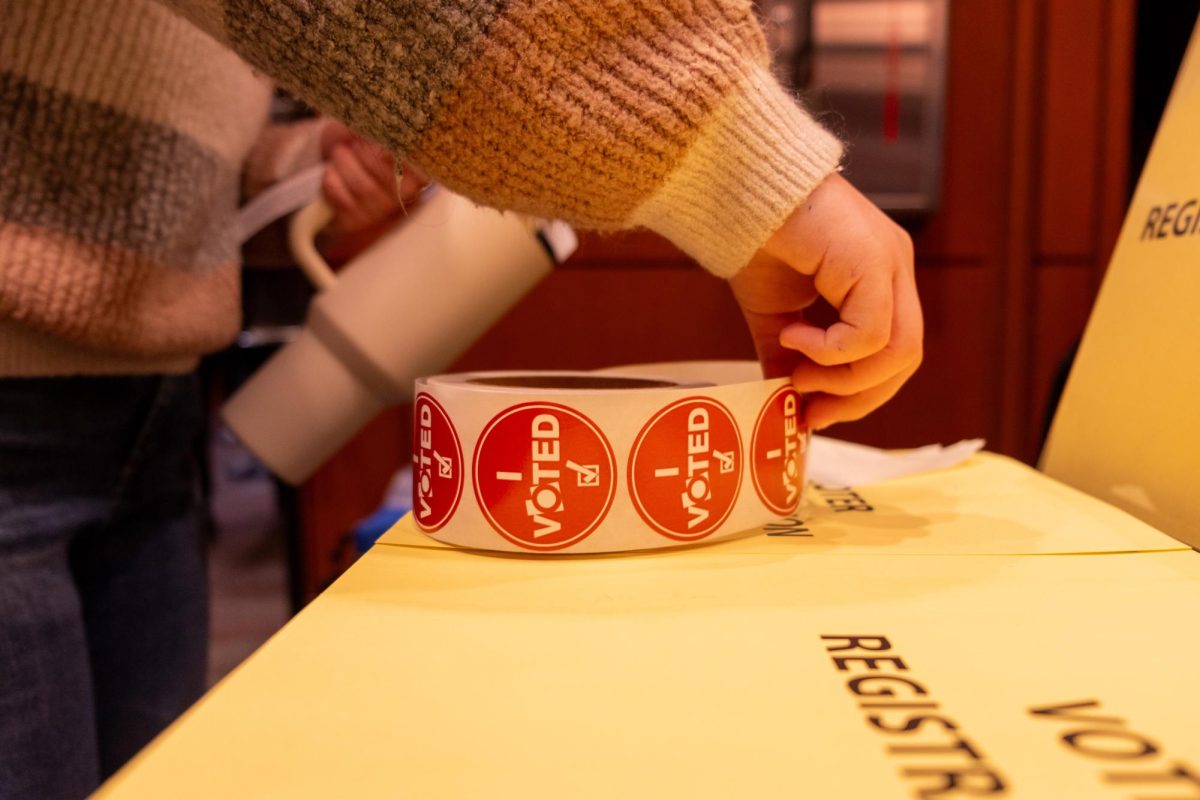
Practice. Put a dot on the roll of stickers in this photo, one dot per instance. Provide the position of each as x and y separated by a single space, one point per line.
598 462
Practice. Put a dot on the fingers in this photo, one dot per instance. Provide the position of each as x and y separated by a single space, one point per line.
902 352
861 263
338 194
863 327
823 410
337 142
333 133
771 295
777 361
377 163
847 392
374 196
848 379
360 183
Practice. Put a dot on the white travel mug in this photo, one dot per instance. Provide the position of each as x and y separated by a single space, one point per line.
405 308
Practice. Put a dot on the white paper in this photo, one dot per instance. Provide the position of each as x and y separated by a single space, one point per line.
832 462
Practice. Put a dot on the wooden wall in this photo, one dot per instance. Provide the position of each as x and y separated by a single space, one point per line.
1033 196
1036 147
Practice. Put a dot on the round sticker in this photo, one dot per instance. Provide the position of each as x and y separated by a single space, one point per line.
777 452
437 465
544 474
686 468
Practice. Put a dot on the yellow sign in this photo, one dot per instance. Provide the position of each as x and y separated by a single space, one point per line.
1128 430
710 673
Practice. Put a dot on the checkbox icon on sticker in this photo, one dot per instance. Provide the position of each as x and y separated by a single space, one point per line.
586 474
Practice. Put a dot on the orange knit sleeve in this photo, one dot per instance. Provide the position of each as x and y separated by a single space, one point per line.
608 113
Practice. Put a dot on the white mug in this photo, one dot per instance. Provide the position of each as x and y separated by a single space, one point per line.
404 308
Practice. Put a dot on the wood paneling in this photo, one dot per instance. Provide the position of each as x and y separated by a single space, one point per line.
607 313
1070 110
1056 324
344 491
969 226
1037 124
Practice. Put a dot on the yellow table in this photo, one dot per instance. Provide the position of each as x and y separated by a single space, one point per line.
999 635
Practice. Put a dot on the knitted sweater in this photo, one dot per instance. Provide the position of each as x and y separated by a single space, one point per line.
123 129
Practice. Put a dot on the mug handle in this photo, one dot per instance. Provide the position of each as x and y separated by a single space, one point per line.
302 233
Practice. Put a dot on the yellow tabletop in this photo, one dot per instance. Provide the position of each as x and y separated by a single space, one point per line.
875 658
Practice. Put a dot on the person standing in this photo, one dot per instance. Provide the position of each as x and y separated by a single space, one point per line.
124 127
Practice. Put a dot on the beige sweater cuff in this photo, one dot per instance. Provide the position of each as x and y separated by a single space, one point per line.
757 157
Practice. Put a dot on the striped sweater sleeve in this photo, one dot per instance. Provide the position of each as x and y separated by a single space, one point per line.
610 114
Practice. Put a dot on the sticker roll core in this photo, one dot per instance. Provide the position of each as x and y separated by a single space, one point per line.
633 458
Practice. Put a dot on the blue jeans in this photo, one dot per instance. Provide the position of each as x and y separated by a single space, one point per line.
103 586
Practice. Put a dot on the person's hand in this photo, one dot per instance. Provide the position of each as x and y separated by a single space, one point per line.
360 182
838 246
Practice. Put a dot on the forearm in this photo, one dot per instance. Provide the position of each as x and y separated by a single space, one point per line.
608 113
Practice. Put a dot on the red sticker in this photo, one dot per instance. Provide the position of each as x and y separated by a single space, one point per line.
545 475
686 468
777 452
437 465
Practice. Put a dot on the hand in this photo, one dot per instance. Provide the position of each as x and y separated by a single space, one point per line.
360 182
838 246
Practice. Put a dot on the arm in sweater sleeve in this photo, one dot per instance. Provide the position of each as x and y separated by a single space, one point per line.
606 113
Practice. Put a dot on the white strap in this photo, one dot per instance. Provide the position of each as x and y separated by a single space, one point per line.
277 202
